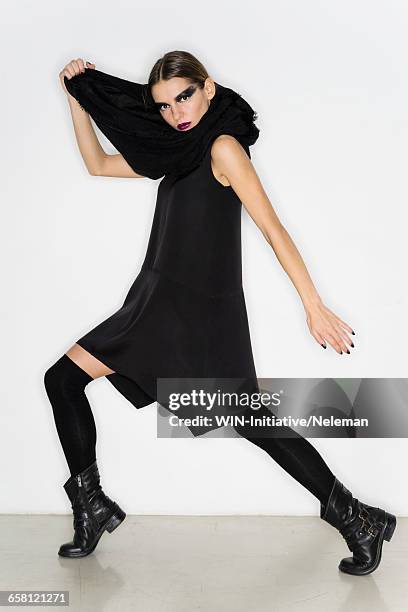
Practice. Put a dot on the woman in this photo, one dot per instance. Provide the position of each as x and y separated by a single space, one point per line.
185 315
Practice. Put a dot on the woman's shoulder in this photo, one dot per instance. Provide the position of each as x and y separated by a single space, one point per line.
222 140
226 145
225 151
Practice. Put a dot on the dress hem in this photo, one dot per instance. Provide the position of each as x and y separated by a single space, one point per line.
113 376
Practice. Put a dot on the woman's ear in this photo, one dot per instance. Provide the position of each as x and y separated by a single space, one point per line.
209 87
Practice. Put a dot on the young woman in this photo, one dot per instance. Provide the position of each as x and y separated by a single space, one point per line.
185 314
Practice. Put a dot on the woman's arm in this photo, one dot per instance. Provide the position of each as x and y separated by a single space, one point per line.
232 162
97 162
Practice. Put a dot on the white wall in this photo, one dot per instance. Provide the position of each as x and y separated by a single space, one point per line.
329 83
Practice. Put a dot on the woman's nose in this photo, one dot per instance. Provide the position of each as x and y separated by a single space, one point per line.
176 115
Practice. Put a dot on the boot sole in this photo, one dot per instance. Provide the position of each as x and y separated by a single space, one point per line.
391 523
116 519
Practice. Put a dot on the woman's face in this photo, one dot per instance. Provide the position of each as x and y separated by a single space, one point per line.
182 103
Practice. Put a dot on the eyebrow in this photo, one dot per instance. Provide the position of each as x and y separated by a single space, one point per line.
180 95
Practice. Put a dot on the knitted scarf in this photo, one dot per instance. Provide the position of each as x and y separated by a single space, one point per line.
125 113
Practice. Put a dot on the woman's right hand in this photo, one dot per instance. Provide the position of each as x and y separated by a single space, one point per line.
71 69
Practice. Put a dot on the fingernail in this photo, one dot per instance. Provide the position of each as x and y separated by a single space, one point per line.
353 333
348 351
352 345
322 345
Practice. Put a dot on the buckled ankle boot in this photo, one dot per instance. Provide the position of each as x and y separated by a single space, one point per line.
93 512
362 526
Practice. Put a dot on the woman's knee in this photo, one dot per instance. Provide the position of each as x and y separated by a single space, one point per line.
52 377
65 375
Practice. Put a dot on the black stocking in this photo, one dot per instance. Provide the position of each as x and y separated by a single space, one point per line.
65 383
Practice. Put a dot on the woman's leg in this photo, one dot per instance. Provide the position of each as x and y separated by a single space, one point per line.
363 527
295 455
94 512
65 383
302 461
88 362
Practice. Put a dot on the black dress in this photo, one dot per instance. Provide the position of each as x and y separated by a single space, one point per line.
185 313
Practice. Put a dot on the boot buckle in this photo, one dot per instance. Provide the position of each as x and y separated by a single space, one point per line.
372 530
363 514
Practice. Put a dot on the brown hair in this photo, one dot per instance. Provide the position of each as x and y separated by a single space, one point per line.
176 64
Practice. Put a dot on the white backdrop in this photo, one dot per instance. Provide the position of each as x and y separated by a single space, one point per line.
328 81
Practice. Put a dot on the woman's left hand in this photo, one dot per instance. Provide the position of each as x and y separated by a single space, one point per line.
325 326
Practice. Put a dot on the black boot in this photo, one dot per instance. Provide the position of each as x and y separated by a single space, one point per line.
363 527
93 512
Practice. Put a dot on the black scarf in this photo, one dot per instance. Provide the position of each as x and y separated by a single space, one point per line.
125 113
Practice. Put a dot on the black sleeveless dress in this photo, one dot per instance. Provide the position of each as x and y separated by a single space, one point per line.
185 313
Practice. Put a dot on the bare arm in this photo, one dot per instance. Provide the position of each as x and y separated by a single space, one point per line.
97 162
232 161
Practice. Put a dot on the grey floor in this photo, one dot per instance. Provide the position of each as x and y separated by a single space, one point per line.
213 564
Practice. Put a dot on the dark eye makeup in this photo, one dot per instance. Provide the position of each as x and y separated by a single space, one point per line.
187 93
